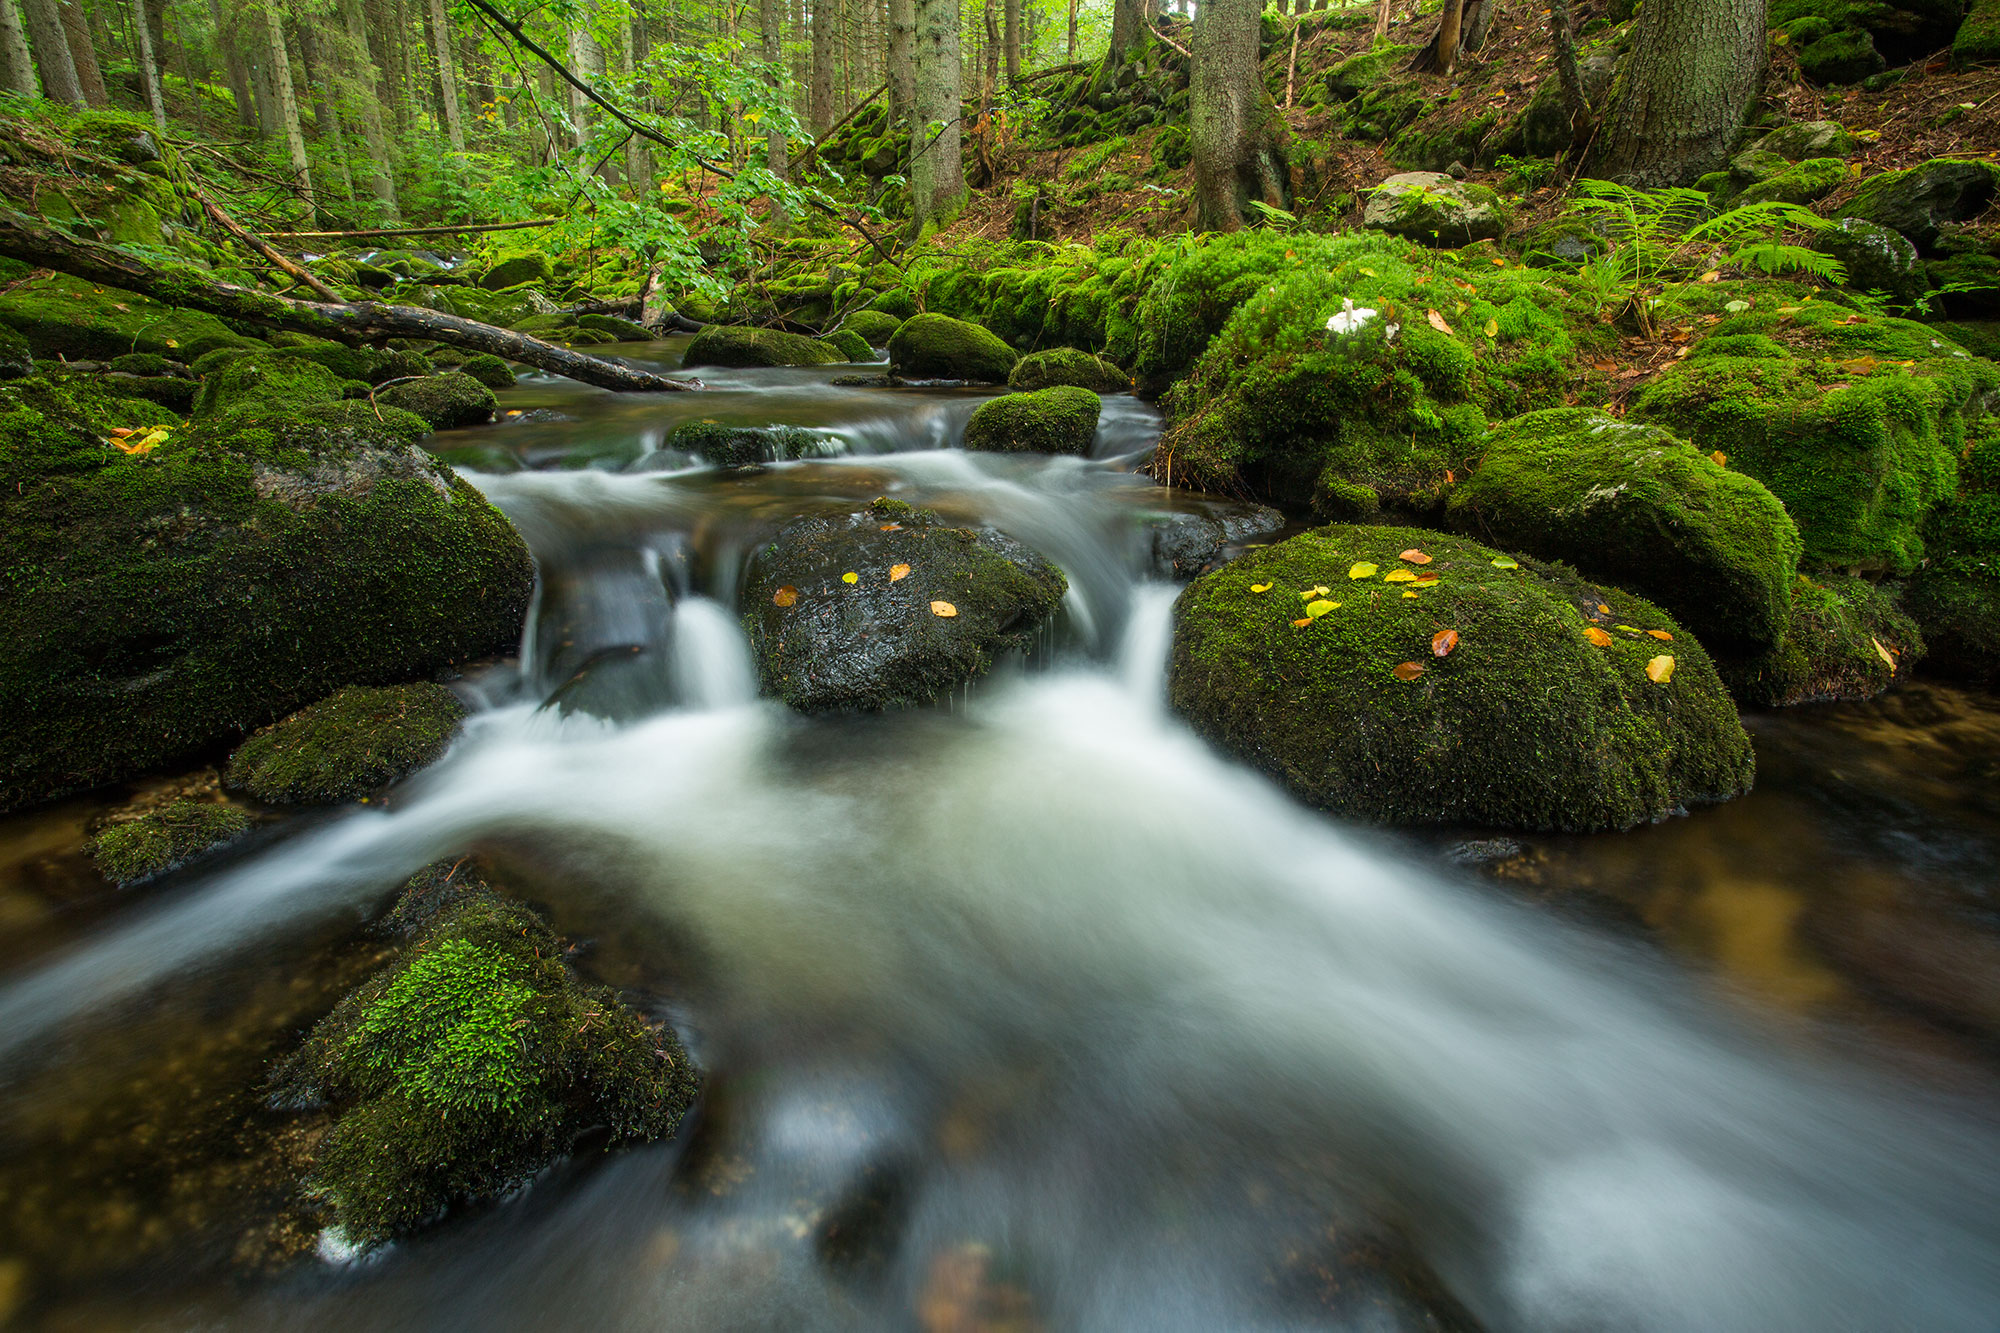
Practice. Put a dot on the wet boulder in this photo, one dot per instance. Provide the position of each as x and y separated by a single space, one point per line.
747 446
889 608
1184 543
443 401
349 745
149 843
1431 207
1635 506
874 325
938 347
168 599
474 1060
737 346
1877 258
1060 366
1845 639
1402 676
1921 201
490 370
1048 421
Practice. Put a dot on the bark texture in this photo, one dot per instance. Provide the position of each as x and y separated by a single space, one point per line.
447 77
902 62
149 70
1695 66
52 58
17 67
1238 151
284 106
771 28
82 52
937 167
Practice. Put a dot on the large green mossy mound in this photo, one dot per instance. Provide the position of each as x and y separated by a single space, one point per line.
471 1062
346 746
134 850
1525 723
1955 597
938 347
267 379
1846 639
443 401
67 317
1047 421
835 626
875 326
166 601
531 266
1636 507
1067 366
734 346
851 345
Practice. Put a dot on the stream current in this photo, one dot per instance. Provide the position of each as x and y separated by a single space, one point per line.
1033 1012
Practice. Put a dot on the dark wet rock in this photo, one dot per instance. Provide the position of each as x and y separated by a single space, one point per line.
736 346
1877 258
863 381
747 446
444 401
880 641
1242 521
938 347
535 416
1048 421
1483 851
1184 545
346 746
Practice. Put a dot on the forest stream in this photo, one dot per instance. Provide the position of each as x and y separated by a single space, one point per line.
1032 1011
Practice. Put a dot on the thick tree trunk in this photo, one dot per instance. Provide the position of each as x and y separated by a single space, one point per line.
317 80
447 77
937 166
227 39
17 67
771 24
149 69
382 173
1127 24
1237 153
1013 41
82 52
822 65
902 62
24 239
1695 66
1071 48
52 57
284 106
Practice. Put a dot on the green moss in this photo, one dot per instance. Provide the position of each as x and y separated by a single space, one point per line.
874 325
1847 55
141 363
489 370
1067 365
1173 148
348 745
732 345
1846 640
741 446
934 346
533 266
471 1062
1634 506
1955 597
1525 724
851 345
67 317
443 401
271 380
1978 39
1061 420
623 330
159 840
1801 183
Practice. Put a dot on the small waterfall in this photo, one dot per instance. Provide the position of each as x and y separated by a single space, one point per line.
1142 652
711 661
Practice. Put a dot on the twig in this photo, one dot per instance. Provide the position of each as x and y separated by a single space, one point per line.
1292 69
259 246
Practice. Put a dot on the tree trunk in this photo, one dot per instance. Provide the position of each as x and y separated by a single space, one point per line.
382 173
317 79
1070 57
1013 40
937 167
822 65
1238 156
1695 66
284 106
82 52
1562 35
17 67
771 23
1479 16
52 57
149 70
1381 19
447 77
1127 23
228 43
586 57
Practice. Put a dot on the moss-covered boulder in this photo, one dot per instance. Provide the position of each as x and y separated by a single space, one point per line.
1507 694
131 851
889 608
747 446
622 329
938 347
533 266
67 317
1978 38
851 345
1832 56
1432 207
1876 258
737 346
489 370
349 745
1634 506
1066 365
165 601
1922 200
1800 183
1367 72
1955 597
1062 420
1808 139
443 401
267 380
874 325
1846 639
472 1061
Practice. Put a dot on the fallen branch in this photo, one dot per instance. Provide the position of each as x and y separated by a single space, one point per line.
1054 70
375 232
363 322
259 246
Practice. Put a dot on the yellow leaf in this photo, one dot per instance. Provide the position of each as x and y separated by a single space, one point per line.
1719 458
943 609
1603 610
1437 321
1407 670
1598 636
1884 654
1661 635
785 596
1711 276
1660 670
1320 608
1631 629
1366 272
1260 587
1506 562
1399 576
850 577
1361 569
1427 581
1302 622
897 573
1493 328
1410 595
172 343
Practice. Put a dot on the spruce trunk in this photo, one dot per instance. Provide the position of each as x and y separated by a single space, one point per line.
1695 66
1238 152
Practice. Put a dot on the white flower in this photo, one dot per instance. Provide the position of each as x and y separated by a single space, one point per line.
1349 320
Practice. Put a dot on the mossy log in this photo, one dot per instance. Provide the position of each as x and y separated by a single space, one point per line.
364 322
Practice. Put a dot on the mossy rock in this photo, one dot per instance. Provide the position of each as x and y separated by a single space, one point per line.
164 602
1810 139
17 359
348 745
874 325
67 317
1368 72
1067 366
1846 639
1061 420
443 401
1634 506
938 347
1902 29
144 363
824 644
1978 38
1430 206
851 345
134 850
739 346
1841 56
471 1062
1955 597
624 330
896 302
1525 723
489 370
747 446
533 266
1804 182
268 381
1921 201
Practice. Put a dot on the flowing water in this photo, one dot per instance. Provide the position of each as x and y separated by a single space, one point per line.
1032 1012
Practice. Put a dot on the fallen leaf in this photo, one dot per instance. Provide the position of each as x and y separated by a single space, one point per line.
1499 262
1436 321
943 609
1711 276
1884 654
1661 635
1407 670
1361 569
1427 581
1631 629
1603 610
1493 328
1598 636
1719 458
1443 642
1415 557
1319 608
786 595
891 527
1399 576
1506 562
1660 670
171 342
1260 587
898 572
1302 622
122 431
850 577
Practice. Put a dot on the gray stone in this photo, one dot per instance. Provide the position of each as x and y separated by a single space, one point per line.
1808 138
1430 206
1877 258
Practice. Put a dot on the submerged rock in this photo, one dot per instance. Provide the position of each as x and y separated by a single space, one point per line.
747 446
1633 505
130 851
1048 421
734 345
1499 695
835 625
1845 639
471 1062
356 741
1066 365
938 347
